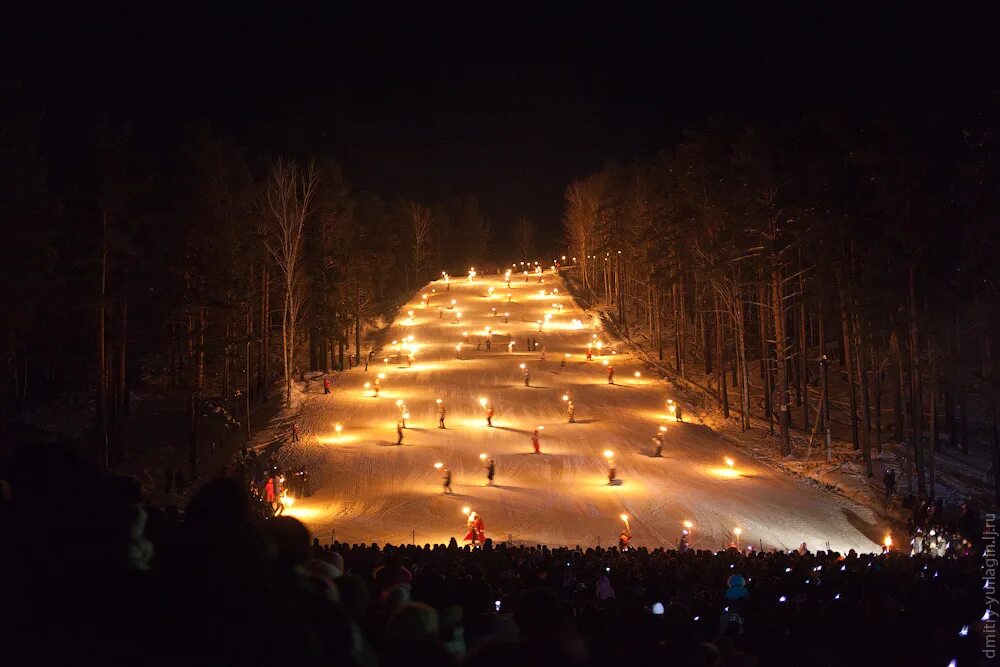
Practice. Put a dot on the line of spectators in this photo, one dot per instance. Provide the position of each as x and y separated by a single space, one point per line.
91 572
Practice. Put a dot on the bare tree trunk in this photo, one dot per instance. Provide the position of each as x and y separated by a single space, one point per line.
878 376
741 351
285 356
803 348
289 197
123 399
780 349
263 365
620 282
420 219
862 362
847 356
201 348
764 373
682 320
102 374
898 408
677 326
918 435
706 335
357 324
964 423
932 430
901 366
246 394
822 407
720 361
193 399
658 316
821 328
227 363
650 326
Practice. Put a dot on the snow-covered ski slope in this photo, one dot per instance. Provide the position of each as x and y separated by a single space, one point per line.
367 489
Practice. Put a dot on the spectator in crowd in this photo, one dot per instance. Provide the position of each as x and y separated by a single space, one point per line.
228 583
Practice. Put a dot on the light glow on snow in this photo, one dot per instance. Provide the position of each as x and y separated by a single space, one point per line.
367 489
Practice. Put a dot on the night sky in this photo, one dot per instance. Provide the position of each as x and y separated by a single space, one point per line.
509 105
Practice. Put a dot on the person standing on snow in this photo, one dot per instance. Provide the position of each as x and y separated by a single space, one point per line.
326 385
611 374
571 411
491 471
527 377
295 433
399 432
536 442
480 530
476 530
623 539
441 412
470 526
658 442
446 481
489 415
889 480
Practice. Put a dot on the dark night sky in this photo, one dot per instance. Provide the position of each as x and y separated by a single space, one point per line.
509 105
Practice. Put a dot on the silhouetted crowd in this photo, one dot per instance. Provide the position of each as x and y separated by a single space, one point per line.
931 533
92 573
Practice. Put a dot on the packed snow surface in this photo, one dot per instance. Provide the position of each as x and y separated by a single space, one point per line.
368 489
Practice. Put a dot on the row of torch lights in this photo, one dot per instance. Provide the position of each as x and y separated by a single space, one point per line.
410 347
